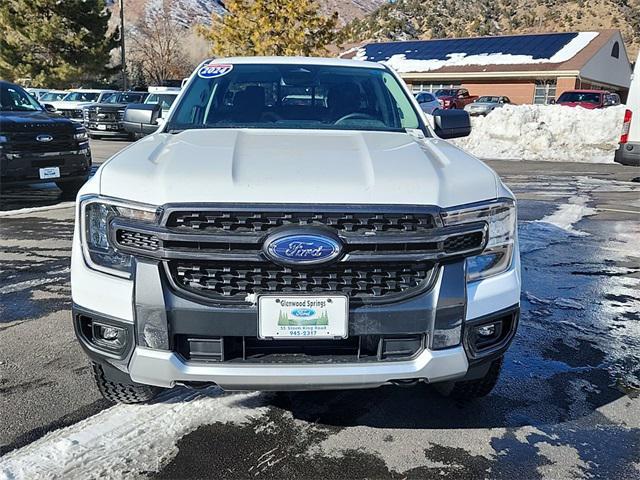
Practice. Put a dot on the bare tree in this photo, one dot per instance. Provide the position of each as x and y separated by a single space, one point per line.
158 44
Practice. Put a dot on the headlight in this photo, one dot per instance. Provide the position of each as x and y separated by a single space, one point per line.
81 135
95 218
500 215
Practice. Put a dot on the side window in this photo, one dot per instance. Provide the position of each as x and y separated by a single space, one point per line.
615 50
464 93
408 118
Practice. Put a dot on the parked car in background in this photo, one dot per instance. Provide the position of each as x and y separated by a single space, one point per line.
163 98
104 119
485 104
36 147
428 102
53 96
588 99
451 98
71 104
628 152
36 92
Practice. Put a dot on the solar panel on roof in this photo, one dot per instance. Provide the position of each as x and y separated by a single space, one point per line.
536 46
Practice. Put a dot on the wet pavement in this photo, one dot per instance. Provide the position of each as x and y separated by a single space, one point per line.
567 404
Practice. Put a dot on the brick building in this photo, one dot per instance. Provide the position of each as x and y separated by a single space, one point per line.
530 68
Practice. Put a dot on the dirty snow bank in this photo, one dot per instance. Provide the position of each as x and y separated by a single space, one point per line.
125 440
546 132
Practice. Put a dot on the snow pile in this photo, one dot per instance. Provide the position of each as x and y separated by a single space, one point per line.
126 440
546 132
402 64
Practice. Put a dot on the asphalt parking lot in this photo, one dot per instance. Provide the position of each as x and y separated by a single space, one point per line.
567 406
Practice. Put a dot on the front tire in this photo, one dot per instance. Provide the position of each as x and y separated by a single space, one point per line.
122 392
472 389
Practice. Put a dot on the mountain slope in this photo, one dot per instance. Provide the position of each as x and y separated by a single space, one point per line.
411 19
191 12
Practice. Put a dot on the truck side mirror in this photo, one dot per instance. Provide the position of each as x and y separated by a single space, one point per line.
49 108
451 123
552 101
142 118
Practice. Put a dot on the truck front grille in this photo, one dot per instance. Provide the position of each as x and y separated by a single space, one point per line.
216 252
212 221
358 281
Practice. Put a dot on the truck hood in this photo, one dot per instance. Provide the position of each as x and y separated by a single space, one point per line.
296 166
69 105
28 121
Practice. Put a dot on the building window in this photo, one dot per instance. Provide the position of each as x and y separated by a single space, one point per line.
545 91
431 86
615 51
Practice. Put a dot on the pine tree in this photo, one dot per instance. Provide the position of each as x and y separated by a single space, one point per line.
270 27
54 42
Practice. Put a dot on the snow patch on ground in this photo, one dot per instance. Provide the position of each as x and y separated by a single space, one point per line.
570 213
21 211
126 440
546 132
402 64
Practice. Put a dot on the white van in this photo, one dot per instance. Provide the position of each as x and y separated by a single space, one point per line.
628 152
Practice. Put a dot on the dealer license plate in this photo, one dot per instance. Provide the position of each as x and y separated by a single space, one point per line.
302 316
102 127
49 172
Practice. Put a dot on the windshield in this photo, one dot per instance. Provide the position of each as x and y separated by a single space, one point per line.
164 99
80 97
15 99
52 96
488 99
586 97
294 97
425 97
445 93
126 97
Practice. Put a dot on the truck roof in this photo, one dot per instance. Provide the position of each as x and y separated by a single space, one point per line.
338 62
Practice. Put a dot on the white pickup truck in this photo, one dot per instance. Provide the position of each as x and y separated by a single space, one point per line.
295 224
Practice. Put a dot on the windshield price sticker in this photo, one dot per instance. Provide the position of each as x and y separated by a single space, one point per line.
214 70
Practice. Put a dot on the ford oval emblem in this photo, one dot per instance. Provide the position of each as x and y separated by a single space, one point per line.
303 312
44 138
302 249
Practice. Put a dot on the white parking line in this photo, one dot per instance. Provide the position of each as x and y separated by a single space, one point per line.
21 211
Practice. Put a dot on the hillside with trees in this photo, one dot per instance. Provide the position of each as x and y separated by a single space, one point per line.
425 19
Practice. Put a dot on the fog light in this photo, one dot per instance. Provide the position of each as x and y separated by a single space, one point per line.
109 333
487 330
109 336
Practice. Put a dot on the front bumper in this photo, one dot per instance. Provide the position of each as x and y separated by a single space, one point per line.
151 356
25 168
164 369
628 154
105 129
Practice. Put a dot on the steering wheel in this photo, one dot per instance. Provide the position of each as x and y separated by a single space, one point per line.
354 116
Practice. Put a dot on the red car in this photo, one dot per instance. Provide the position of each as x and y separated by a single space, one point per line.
588 99
450 98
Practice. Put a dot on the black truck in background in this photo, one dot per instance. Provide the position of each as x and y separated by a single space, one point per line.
36 147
